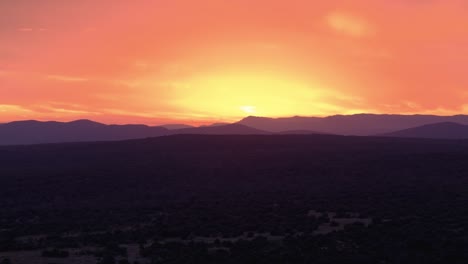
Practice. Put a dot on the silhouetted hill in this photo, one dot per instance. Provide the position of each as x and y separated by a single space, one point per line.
176 126
231 129
300 132
218 124
360 124
447 130
140 171
36 132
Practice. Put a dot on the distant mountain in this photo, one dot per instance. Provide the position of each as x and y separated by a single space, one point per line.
230 129
360 124
176 126
218 124
447 130
36 132
299 132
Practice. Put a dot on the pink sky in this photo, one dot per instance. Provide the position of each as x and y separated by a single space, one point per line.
197 61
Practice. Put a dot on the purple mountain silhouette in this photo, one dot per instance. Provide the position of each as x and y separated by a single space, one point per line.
230 129
300 132
446 130
360 124
36 132
176 126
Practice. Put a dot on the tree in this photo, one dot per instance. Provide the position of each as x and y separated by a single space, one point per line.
6 261
107 260
124 261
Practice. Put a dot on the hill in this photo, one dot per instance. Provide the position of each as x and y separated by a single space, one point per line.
359 124
35 132
176 126
183 164
230 129
445 130
299 132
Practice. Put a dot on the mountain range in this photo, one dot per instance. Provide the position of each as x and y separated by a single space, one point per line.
446 130
417 126
36 132
357 125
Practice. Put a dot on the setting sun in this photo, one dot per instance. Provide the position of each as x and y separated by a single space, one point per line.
265 95
248 109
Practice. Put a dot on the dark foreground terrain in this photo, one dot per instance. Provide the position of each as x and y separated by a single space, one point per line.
236 199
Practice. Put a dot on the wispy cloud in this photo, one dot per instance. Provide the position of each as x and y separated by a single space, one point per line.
70 111
129 113
64 108
6 108
348 24
30 29
25 29
64 78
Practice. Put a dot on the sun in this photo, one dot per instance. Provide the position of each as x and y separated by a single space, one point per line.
249 109
234 95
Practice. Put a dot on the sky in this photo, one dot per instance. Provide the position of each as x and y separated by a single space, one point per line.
204 61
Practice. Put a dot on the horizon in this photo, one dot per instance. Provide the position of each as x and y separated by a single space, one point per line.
218 62
201 124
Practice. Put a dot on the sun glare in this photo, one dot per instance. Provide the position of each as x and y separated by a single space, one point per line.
249 109
235 95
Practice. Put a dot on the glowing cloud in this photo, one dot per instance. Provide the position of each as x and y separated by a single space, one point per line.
25 29
348 24
64 78
12 108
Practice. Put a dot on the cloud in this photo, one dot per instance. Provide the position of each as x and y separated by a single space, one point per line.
25 29
65 78
149 114
29 29
63 107
68 111
8 108
348 24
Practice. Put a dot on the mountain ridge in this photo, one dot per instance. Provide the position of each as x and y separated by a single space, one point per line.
358 124
443 130
41 132
84 130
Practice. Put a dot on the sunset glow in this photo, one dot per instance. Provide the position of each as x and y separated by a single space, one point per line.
202 61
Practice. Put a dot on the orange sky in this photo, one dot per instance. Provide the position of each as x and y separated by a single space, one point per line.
197 61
